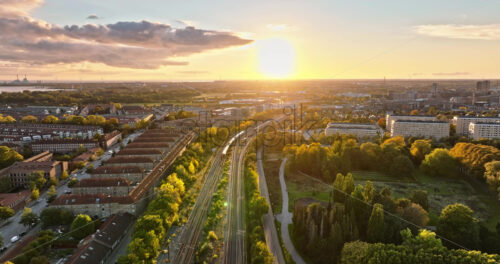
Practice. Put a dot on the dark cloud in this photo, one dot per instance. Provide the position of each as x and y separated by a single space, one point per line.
128 44
92 17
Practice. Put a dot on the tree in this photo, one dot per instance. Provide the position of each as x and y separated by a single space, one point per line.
398 140
37 180
64 175
53 180
439 163
72 182
420 197
52 216
414 112
261 254
381 122
420 148
50 119
474 156
29 119
6 212
416 215
82 226
191 168
376 228
40 260
28 218
149 223
35 193
457 223
8 156
368 192
52 193
492 174
401 166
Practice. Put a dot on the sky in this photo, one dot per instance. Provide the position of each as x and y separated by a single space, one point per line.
165 40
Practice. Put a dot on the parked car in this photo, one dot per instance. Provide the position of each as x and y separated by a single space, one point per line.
3 249
22 234
68 191
14 239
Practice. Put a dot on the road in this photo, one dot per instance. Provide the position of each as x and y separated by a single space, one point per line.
286 218
12 227
272 239
184 249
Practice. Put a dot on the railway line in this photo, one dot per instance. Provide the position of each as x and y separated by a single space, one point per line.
190 234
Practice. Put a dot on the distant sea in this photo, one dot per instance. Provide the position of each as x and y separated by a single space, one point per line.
19 89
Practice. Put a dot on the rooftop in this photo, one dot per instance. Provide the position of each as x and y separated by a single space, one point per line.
104 182
75 199
138 152
115 160
117 170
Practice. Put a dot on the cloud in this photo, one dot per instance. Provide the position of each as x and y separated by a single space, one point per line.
18 7
280 27
453 31
92 17
450 73
127 44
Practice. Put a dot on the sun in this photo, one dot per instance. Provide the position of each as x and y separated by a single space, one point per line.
276 58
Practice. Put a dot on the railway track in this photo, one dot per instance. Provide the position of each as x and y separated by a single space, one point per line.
190 234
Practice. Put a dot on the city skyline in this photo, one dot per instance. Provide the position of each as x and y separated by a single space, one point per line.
159 41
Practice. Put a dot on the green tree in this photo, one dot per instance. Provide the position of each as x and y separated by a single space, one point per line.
149 223
52 216
401 167
368 192
52 193
420 148
6 212
72 182
50 119
35 193
37 180
261 254
29 119
457 223
439 163
492 175
64 175
420 197
28 218
8 156
82 226
376 227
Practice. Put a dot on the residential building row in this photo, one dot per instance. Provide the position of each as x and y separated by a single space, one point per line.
359 130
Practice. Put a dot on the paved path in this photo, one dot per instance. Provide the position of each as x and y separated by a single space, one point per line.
286 218
270 232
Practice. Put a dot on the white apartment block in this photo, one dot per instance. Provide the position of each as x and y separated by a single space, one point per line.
419 128
391 118
484 130
462 123
359 130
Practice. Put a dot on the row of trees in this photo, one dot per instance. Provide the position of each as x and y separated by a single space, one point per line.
256 206
345 155
421 248
163 211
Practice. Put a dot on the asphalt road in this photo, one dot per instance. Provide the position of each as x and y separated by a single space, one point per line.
286 218
11 227
272 239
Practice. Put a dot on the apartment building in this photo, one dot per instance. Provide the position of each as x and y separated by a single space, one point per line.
26 132
109 186
142 162
420 128
478 130
359 130
462 123
391 118
63 145
19 172
131 173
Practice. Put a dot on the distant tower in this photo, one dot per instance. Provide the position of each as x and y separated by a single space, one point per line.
434 89
474 97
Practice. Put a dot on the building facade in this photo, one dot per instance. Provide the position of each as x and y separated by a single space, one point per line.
462 123
478 130
414 128
359 130
391 118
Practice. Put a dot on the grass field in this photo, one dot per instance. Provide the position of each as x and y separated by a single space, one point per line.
271 164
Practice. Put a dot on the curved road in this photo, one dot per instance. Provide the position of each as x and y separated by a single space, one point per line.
270 232
286 218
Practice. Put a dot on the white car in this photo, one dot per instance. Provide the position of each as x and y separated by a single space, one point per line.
14 239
